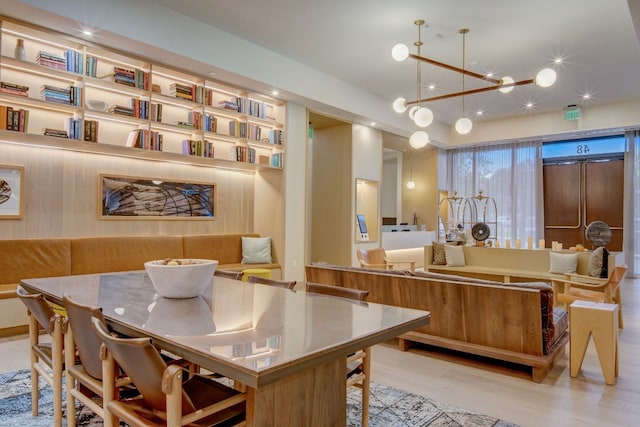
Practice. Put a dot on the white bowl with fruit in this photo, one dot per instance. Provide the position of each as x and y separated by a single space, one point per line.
180 278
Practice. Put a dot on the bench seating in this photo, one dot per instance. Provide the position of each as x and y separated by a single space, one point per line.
515 323
512 265
33 258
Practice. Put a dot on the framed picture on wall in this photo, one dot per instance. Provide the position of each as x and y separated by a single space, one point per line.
11 199
126 197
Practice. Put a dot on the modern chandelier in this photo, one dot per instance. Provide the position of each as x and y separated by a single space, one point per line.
423 116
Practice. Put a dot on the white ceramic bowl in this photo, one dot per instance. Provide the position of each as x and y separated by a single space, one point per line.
96 104
181 281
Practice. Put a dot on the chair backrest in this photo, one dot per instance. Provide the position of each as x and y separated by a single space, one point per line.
337 291
376 256
38 307
86 339
235 275
142 362
618 274
272 282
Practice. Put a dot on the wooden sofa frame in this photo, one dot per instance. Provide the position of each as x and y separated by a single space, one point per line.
495 321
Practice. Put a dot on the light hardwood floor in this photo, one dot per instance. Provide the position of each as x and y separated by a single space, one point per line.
504 392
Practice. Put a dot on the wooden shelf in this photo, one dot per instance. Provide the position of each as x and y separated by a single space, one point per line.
115 128
20 138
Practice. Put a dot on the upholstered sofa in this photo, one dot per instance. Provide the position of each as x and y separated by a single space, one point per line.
513 322
514 265
32 258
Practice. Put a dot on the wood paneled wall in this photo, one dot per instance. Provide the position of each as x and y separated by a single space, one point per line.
61 193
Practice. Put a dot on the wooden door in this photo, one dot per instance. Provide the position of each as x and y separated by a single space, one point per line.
578 193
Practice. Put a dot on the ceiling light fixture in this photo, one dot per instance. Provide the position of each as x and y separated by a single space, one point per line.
424 116
463 124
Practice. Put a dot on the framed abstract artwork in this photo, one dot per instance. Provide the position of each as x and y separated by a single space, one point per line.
125 197
11 198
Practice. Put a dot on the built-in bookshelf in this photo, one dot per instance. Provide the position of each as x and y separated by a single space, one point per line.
55 88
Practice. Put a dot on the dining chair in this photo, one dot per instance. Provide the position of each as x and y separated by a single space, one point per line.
84 376
272 282
46 359
235 275
358 363
166 398
598 290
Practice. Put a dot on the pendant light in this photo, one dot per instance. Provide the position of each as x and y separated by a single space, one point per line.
463 124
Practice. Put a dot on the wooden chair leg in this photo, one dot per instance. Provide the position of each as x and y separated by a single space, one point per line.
56 349
33 341
366 383
70 382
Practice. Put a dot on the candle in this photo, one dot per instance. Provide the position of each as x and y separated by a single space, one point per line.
507 243
554 245
517 243
541 244
497 243
559 246
529 242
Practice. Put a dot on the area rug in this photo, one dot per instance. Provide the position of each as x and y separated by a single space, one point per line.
388 407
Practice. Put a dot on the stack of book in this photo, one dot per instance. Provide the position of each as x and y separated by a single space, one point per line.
75 128
210 123
197 148
203 95
229 104
134 78
55 132
146 139
14 89
238 129
253 108
122 110
91 66
140 108
75 61
51 60
240 153
182 91
275 136
255 132
14 119
156 112
68 96
91 130
277 160
196 119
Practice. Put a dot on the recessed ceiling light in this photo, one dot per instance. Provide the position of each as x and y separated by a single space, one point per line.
558 61
373 123
586 96
479 113
87 33
275 92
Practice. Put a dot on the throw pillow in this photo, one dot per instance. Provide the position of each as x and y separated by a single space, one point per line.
438 253
454 256
598 262
563 263
256 250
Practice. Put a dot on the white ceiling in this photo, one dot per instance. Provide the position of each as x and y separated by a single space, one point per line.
352 40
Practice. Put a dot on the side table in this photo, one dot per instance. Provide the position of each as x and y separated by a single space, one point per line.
600 320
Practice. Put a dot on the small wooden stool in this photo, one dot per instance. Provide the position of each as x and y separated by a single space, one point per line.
600 320
260 272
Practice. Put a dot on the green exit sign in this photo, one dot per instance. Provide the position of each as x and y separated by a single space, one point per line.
573 114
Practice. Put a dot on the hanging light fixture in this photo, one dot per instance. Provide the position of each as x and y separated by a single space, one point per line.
411 184
423 116
463 124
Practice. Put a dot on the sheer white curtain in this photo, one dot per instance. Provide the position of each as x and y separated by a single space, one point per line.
631 241
512 175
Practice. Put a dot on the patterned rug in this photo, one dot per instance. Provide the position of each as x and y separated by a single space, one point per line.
389 407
